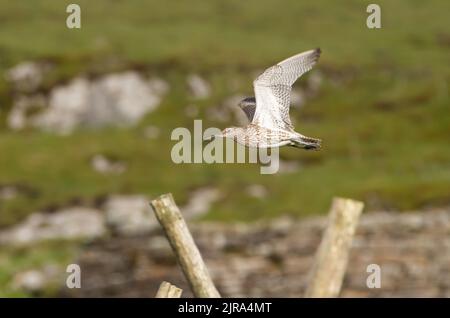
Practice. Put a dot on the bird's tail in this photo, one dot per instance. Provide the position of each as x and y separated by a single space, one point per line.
307 143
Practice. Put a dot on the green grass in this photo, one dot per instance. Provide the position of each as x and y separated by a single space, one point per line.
398 156
382 110
16 260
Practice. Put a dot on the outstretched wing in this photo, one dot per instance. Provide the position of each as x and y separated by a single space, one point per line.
273 90
248 105
249 111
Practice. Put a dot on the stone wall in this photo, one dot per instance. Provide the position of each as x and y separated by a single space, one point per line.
273 259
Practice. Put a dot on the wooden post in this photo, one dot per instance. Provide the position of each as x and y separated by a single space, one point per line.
331 259
183 245
167 290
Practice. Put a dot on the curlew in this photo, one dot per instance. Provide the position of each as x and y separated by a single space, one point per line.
268 112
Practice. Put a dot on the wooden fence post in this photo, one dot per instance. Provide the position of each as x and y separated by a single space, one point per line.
331 259
167 290
183 245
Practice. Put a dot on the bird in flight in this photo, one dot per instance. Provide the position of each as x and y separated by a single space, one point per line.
268 112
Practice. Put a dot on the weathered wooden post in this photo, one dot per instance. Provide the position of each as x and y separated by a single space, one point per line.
167 290
183 245
331 259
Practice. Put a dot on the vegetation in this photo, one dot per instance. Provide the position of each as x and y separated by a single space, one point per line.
382 109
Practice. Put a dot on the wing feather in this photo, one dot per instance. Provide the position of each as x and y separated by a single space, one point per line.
273 88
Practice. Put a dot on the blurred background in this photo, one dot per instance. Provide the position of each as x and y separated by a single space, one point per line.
86 117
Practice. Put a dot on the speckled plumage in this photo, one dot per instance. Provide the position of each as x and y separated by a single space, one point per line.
269 112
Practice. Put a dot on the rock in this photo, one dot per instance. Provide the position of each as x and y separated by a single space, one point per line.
116 99
257 191
200 201
30 281
273 258
198 87
68 105
70 223
27 76
105 165
158 86
35 280
126 215
121 99
130 215
17 118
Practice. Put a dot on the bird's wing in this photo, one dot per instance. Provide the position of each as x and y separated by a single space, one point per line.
273 89
249 111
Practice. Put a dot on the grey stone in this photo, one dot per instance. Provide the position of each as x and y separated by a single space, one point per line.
273 258
69 223
200 201
27 76
116 99
256 191
130 214
198 87
36 280
105 165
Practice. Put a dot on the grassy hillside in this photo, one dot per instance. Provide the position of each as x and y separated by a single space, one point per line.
382 110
